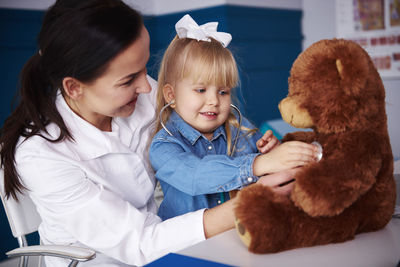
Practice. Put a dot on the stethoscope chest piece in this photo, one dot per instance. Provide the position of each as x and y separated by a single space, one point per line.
319 157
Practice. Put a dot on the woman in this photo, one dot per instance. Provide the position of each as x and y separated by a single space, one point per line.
77 142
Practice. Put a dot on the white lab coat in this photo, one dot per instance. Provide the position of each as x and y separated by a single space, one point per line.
97 191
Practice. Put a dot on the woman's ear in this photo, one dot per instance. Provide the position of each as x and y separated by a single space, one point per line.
168 92
72 87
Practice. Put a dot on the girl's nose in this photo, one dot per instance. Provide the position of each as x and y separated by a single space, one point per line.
212 99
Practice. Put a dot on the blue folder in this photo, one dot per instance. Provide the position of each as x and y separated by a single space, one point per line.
173 259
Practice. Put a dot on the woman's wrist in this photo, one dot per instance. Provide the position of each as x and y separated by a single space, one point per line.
219 219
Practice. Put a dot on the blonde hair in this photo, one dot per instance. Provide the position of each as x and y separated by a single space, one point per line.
206 62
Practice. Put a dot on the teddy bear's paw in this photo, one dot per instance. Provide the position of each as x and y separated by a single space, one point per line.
243 233
261 219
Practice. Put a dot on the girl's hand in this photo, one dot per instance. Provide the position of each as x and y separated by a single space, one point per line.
285 156
267 142
280 182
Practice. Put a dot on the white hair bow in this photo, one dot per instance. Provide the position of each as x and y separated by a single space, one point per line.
186 27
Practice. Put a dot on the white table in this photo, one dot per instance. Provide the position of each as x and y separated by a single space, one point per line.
375 249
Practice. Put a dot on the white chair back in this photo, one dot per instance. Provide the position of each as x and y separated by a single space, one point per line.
24 219
22 215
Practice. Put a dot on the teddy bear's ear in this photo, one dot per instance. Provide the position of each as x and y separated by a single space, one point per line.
339 67
352 64
347 89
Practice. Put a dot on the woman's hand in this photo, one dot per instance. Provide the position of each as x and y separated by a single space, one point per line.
285 156
221 218
267 142
280 182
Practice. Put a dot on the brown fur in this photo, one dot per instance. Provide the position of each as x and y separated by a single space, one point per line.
351 190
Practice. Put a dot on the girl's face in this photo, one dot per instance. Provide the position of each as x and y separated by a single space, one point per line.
115 93
204 106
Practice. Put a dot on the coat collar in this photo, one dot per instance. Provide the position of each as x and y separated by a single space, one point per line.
90 142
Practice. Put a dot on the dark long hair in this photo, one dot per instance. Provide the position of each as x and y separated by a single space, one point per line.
77 39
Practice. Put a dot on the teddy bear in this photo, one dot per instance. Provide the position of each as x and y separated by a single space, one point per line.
335 90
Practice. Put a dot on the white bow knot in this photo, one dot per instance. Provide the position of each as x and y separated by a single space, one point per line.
186 27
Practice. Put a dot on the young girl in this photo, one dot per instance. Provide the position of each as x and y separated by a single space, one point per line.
194 152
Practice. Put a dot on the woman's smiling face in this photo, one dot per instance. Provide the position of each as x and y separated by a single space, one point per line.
115 93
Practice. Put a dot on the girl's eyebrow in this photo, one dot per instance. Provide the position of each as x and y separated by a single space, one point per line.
197 83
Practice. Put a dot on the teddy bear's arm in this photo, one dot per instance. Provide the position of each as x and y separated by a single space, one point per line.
307 137
328 187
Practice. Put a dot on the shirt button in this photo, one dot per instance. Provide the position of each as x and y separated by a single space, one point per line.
219 201
209 147
249 179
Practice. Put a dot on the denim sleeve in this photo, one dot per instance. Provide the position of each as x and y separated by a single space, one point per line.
193 175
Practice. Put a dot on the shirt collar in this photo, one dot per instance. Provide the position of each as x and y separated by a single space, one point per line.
189 132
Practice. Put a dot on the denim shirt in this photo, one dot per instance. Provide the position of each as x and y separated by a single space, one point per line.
197 173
